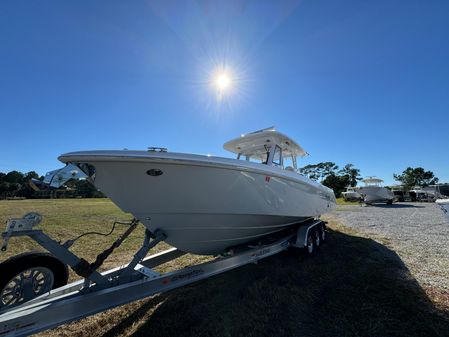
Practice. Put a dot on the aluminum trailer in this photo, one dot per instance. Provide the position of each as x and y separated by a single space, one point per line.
101 291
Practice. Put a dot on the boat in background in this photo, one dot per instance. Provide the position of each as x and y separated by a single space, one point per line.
444 205
373 192
442 190
206 204
421 195
351 194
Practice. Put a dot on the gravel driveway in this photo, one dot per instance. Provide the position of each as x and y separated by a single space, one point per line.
418 232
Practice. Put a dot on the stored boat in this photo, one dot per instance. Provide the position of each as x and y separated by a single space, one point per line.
205 204
199 204
351 194
444 205
373 192
419 194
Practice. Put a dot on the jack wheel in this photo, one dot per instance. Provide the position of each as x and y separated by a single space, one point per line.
29 275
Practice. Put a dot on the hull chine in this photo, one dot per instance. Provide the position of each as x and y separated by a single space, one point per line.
208 234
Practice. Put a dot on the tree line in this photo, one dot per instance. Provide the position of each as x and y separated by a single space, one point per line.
330 175
418 176
16 184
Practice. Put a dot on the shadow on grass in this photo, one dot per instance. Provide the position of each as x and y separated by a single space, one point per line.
396 206
352 287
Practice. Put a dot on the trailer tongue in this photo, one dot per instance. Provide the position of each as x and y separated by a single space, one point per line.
22 313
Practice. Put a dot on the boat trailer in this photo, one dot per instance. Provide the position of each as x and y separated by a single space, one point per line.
27 306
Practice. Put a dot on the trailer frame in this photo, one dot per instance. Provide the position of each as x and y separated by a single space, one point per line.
98 292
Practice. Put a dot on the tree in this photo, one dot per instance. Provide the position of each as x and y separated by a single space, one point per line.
3 189
14 177
26 190
411 177
319 171
337 183
13 188
87 190
353 174
31 175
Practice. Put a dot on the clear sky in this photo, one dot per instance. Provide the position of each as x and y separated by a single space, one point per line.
362 82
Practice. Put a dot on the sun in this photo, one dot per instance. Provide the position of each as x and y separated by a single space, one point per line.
223 81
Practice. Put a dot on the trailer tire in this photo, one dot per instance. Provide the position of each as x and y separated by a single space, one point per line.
28 275
310 243
322 231
317 237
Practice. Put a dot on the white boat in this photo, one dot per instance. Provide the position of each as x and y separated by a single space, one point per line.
207 204
373 192
351 194
444 205
419 193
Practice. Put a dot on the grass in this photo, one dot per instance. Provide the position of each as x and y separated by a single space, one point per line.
67 218
354 286
341 201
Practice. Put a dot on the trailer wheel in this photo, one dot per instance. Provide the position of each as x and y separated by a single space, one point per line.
26 276
317 237
310 247
322 233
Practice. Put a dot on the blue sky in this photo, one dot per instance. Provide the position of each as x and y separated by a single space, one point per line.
362 82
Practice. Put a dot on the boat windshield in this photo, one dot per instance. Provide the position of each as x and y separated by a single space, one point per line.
277 156
260 157
271 156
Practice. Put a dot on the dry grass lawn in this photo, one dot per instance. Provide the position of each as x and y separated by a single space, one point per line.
341 201
354 286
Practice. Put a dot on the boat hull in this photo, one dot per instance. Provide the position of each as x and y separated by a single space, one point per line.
206 208
444 205
214 233
351 196
376 194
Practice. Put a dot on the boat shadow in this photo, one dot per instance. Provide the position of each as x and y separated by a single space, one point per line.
396 206
353 286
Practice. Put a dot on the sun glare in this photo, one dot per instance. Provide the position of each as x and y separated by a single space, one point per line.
226 82
223 81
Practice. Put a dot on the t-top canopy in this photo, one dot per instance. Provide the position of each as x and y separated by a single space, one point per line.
372 181
254 143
